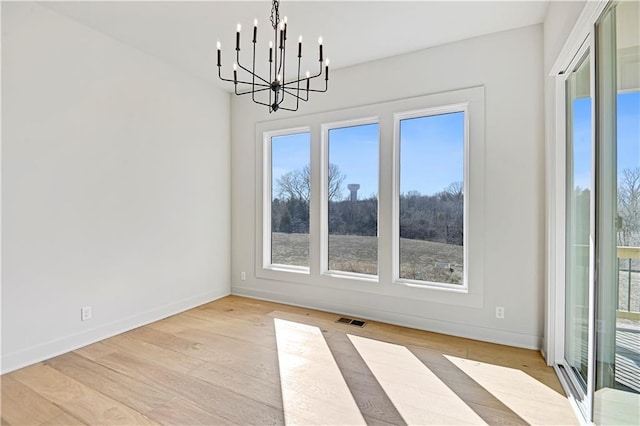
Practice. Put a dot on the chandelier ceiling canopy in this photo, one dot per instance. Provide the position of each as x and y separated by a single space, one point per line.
274 91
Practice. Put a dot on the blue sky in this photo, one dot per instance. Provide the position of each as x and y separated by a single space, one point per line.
432 149
289 153
355 151
431 154
628 132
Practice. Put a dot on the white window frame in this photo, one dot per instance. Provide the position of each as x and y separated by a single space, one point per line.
267 197
430 112
324 208
315 280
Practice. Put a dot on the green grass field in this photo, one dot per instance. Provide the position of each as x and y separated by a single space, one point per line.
352 253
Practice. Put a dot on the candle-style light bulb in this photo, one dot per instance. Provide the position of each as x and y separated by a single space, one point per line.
238 28
255 29
300 47
326 63
320 47
235 73
218 46
308 74
270 51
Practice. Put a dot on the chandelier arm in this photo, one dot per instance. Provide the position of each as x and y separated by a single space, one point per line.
265 82
253 73
256 91
288 84
246 69
311 77
282 66
326 86
255 101
283 51
288 109
304 98
266 86
247 93
318 90
275 52
296 96
248 83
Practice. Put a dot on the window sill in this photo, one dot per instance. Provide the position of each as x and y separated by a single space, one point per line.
452 288
288 268
351 276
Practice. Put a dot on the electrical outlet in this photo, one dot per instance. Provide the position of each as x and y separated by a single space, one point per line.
499 312
85 313
243 276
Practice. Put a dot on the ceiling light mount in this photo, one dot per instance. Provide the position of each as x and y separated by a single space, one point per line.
274 91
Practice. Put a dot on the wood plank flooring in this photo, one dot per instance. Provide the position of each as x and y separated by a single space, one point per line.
233 361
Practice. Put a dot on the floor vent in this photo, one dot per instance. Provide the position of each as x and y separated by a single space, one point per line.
350 321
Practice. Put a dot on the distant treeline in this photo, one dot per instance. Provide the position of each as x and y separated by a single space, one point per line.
437 217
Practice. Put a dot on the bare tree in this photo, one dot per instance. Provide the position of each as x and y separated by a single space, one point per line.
336 179
297 183
629 206
455 189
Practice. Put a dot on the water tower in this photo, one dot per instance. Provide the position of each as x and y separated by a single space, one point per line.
353 187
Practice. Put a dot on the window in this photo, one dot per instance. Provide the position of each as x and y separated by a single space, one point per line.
431 192
290 192
376 200
352 197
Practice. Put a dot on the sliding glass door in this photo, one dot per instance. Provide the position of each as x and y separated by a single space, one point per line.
601 306
578 249
617 345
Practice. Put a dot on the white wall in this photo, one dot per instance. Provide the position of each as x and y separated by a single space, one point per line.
558 23
115 186
510 67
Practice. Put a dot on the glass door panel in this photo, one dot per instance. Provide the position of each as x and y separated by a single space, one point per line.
578 223
617 395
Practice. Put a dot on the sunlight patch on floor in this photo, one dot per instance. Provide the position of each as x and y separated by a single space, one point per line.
313 389
419 395
533 401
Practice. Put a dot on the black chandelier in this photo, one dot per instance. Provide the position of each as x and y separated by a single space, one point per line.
278 89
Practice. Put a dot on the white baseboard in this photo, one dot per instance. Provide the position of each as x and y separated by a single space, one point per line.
43 351
467 331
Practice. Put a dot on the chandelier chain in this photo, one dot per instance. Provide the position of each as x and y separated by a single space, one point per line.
275 14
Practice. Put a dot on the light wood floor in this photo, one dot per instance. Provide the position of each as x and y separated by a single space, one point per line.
243 361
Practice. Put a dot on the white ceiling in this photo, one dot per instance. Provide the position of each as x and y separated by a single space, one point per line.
185 33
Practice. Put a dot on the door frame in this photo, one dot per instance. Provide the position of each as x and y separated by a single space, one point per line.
581 39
